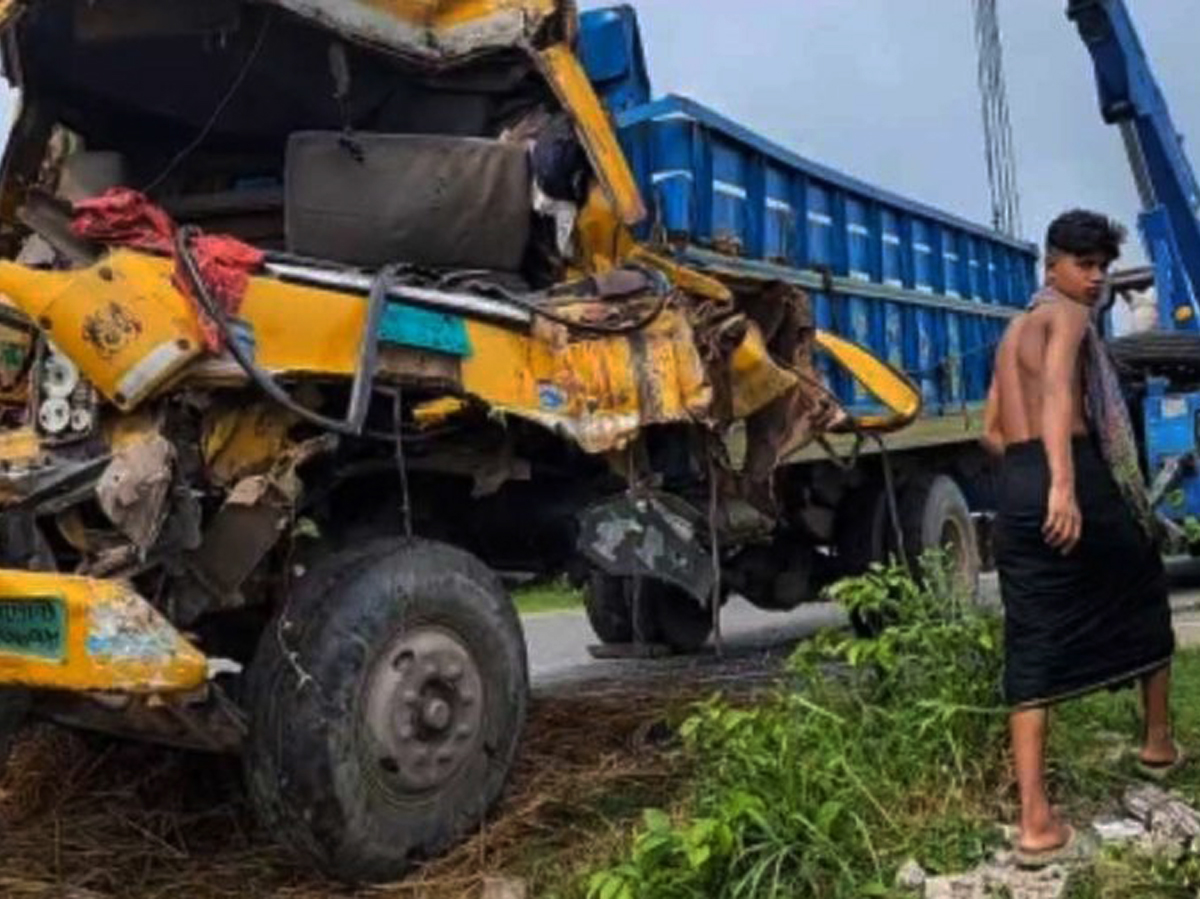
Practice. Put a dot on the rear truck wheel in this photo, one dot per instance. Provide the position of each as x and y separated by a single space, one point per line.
862 537
681 621
934 515
386 703
669 614
609 611
777 577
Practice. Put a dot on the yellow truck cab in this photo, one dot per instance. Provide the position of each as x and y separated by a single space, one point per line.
318 315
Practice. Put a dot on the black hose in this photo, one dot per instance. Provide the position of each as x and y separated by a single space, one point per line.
264 381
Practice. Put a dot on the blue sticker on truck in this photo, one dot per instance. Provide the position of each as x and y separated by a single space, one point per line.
411 326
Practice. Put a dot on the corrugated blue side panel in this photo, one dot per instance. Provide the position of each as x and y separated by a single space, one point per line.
714 185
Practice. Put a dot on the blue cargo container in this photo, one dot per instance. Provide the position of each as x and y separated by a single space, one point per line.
927 291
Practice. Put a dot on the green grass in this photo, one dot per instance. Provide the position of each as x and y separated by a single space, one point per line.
1091 746
544 597
876 750
880 750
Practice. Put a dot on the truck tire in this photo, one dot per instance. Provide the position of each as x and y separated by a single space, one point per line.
863 530
1158 352
934 515
679 620
609 611
386 702
669 614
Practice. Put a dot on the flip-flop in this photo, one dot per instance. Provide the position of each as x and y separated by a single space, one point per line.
1162 771
1037 859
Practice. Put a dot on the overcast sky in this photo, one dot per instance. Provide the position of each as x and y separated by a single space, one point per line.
885 90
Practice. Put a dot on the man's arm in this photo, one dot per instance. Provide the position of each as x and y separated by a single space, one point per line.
993 432
1066 328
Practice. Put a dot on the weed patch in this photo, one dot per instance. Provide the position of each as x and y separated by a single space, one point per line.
878 749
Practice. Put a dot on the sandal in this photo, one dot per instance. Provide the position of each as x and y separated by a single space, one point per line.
1160 771
1037 859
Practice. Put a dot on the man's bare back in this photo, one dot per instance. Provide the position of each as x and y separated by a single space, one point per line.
1037 393
1020 384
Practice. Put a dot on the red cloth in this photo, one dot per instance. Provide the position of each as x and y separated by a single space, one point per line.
126 217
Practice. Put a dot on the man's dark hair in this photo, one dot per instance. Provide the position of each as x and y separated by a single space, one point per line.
1080 233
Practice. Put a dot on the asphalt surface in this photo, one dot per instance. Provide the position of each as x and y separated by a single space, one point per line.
753 641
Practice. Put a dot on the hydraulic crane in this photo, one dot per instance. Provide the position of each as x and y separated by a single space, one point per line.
1164 363
1131 99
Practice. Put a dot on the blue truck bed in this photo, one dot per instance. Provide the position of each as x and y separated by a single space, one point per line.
925 290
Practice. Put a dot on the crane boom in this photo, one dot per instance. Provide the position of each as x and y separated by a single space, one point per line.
1130 98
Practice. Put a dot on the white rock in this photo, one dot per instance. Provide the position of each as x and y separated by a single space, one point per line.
910 876
1000 881
1167 817
1118 831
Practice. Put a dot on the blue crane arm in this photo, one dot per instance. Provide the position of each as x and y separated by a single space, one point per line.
1130 98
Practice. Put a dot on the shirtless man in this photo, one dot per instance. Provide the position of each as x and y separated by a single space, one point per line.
1083 586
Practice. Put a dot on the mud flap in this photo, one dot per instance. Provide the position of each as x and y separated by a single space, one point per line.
652 535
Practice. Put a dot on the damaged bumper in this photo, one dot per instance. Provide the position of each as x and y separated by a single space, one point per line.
67 632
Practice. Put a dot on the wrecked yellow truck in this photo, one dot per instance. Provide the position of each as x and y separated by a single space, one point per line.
318 315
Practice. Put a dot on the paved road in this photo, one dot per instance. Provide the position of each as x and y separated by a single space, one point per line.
753 640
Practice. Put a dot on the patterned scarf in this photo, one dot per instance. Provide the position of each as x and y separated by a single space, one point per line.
1109 417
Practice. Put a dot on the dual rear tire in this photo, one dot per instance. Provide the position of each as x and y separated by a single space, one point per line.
626 610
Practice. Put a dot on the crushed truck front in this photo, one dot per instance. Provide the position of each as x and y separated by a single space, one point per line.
309 294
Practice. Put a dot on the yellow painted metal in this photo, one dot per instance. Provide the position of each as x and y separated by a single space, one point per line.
682 277
438 14
434 412
755 379
115 640
121 321
297 329
892 388
432 29
570 82
602 237
19 446
237 441
124 431
599 391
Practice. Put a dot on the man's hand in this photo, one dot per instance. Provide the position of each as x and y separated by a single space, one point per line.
1064 524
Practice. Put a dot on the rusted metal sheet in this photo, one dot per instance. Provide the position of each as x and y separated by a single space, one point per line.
133 489
600 392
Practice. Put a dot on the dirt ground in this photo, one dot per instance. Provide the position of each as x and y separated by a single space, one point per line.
87 816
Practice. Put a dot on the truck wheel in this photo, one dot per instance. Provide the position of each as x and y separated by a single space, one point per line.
680 621
934 515
862 530
384 722
609 609
669 614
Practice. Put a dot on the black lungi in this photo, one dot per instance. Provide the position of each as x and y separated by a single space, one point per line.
1094 618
